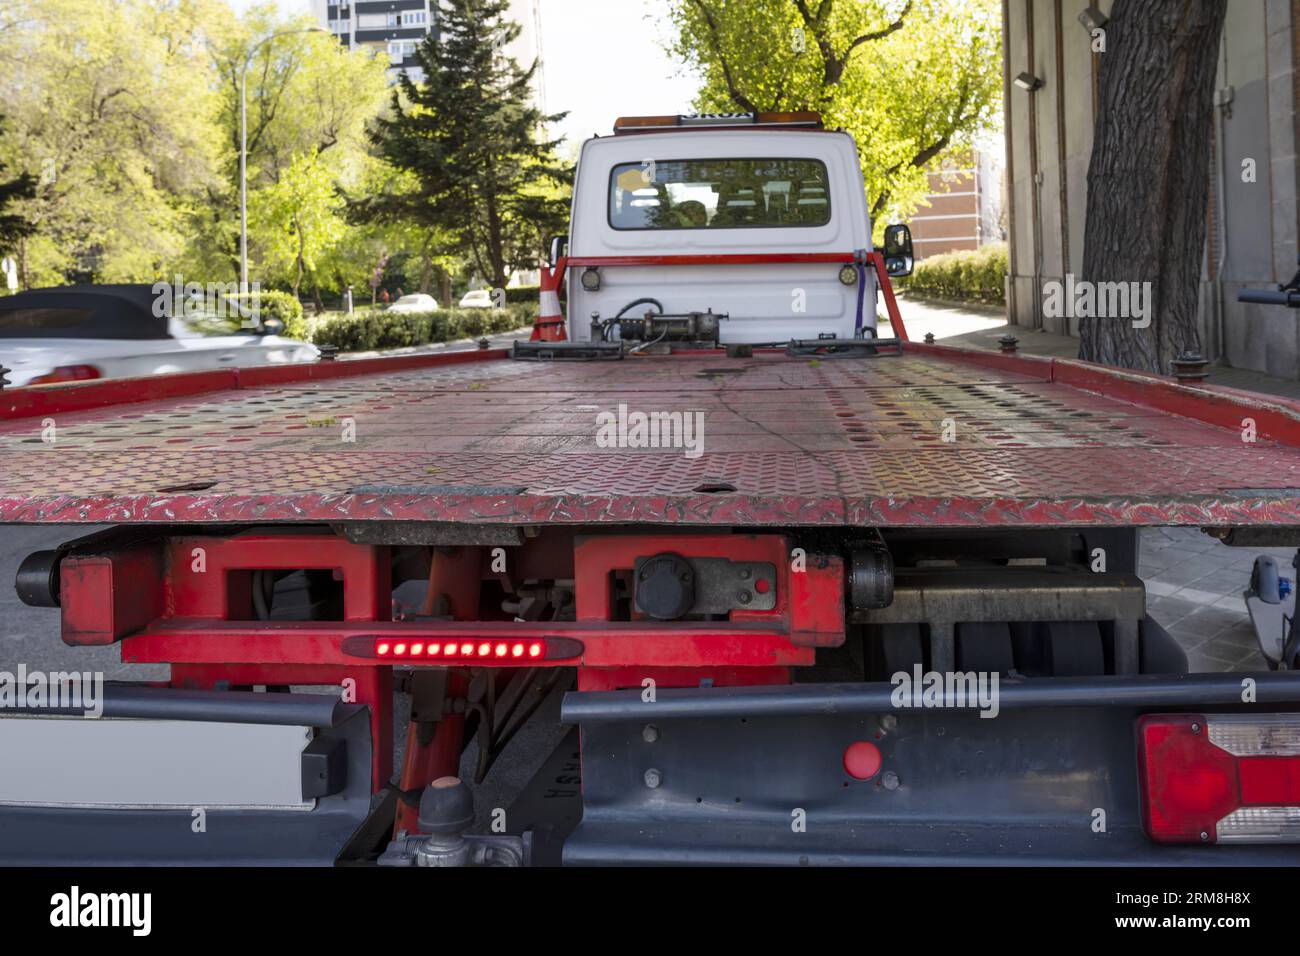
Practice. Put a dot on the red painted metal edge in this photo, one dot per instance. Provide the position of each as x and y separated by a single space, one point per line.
33 400
1276 419
698 511
1037 366
36 400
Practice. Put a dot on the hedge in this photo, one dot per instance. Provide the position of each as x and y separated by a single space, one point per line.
368 329
273 305
978 275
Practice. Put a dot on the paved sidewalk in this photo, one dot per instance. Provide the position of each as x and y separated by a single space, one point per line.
1194 582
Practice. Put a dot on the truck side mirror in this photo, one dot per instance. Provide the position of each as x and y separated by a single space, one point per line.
898 250
558 246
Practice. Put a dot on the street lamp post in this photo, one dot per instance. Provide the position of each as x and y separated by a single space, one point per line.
243 149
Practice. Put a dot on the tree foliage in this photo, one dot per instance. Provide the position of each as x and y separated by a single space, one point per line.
484 173
14 226
910 80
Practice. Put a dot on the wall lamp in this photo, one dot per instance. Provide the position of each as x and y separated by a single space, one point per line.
1028 82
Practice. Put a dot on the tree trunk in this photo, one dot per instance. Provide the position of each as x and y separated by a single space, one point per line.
1147 179
426 274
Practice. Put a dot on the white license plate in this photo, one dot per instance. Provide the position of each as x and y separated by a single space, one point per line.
153 764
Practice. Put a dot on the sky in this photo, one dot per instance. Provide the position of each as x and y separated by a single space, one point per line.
604 59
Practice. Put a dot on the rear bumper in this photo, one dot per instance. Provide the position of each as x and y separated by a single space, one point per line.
142 836
739 769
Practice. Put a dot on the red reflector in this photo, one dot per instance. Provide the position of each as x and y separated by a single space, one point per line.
1220 778
862 760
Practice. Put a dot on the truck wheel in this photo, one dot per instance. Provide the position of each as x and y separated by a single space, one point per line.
985 646
1075 649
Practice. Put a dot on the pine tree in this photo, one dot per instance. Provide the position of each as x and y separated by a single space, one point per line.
13 227
475 143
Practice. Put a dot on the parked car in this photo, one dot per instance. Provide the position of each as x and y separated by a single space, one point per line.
477 299
83 332
416 302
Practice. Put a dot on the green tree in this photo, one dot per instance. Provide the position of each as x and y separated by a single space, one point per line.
301 218
13 226
114 126
484 171
307 95
909 80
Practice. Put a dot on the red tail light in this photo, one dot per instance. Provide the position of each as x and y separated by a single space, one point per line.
514 651
1220 778
68 373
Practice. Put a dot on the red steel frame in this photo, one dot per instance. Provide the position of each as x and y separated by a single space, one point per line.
187 603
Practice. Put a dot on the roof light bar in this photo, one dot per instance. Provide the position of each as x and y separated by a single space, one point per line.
797 118
455 650
1220 778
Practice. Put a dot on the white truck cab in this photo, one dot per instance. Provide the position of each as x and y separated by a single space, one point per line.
757 224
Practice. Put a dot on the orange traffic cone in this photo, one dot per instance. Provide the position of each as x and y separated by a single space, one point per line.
549 326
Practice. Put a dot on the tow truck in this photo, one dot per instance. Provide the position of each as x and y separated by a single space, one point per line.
825 595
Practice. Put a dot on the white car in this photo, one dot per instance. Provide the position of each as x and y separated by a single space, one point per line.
477 299
78 333
417 302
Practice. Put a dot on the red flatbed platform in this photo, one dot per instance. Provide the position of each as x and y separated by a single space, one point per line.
475 437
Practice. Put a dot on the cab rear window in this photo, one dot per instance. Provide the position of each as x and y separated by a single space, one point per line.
719 194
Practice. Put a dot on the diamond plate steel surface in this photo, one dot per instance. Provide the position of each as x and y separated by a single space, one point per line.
785 441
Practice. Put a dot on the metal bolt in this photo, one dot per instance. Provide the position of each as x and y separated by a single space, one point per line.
1190 366
653 778
650 733
889 780
889 721
744 597
744 574
1205 837
1196 728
